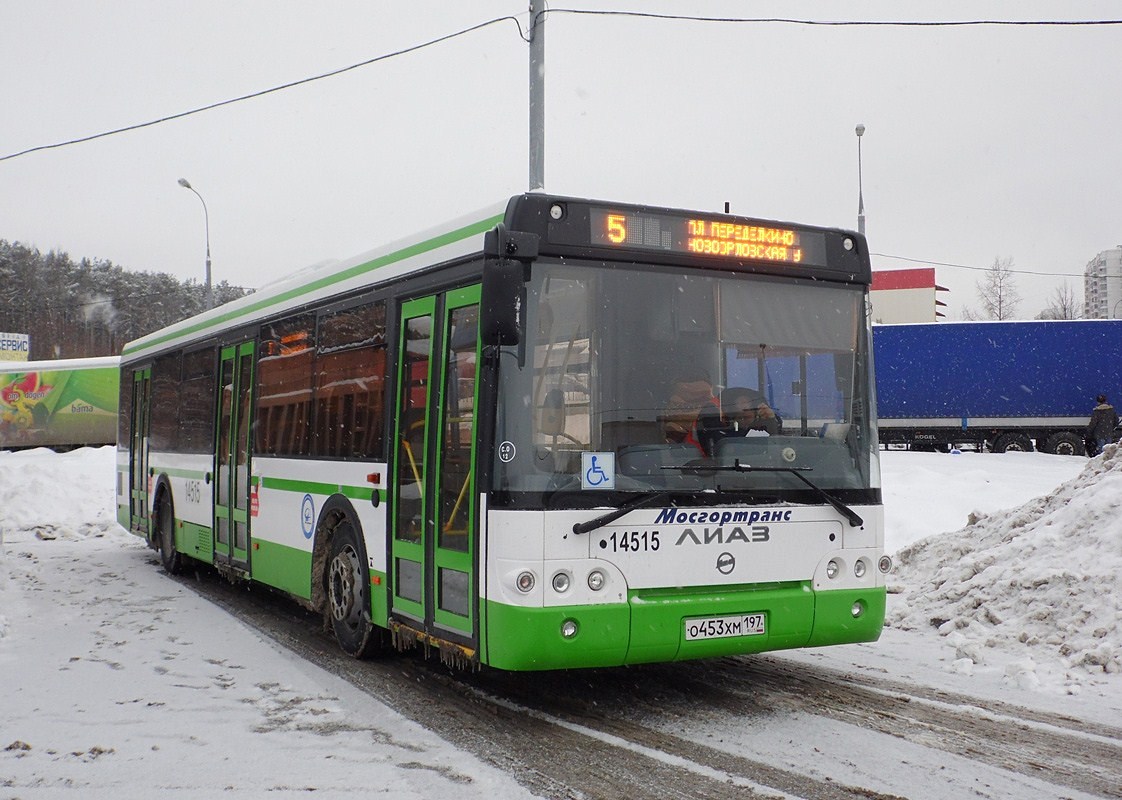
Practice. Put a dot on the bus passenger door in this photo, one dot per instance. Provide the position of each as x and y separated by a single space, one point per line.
231 461
434 514
138 451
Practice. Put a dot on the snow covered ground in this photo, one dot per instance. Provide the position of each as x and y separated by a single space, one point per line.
119 683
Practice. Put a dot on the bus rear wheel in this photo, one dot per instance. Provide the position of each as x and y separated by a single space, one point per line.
171 558
348 593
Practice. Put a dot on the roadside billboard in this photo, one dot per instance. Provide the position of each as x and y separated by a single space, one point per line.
14 346
60 404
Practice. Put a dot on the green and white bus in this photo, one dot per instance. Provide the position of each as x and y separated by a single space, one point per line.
462 440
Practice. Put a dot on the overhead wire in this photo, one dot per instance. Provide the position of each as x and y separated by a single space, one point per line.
524 36
979 269
833 23
263 92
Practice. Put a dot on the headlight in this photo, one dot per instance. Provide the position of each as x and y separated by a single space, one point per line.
525 582
569 628
832 570
596 580
561 582
859 568
884 564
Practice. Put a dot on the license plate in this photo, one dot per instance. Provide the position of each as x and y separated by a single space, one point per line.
722 627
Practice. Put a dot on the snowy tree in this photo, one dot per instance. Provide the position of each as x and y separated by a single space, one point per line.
998 292
1062 304
90 307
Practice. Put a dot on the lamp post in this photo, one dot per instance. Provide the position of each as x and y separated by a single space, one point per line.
206 221
860 188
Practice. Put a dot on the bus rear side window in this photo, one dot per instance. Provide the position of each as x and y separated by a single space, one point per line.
284 388
196 402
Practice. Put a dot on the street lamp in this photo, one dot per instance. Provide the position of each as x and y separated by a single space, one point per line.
860 189
206 220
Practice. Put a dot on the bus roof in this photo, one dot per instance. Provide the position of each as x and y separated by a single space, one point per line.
562 234
458 238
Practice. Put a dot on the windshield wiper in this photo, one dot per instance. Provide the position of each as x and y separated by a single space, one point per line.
851 516
614 514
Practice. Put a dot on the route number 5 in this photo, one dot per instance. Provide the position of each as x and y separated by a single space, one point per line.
617 229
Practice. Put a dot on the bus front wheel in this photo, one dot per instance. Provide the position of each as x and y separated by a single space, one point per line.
348 593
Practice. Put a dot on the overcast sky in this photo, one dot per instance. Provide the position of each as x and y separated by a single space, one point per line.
981 142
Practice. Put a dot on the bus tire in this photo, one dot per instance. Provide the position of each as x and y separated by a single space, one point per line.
1065 443
348 593
171 558
1012 442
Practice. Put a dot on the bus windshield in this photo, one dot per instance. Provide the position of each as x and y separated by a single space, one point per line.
691 381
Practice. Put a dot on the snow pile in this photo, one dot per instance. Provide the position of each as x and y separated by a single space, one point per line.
54 496
1035 588
58 495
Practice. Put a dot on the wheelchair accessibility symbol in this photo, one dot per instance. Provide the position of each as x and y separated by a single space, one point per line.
598 470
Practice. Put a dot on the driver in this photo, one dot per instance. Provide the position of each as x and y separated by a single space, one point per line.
746 410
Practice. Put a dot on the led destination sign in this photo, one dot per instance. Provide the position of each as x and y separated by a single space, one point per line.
740 240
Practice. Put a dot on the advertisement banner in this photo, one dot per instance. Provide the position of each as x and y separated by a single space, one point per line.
59 406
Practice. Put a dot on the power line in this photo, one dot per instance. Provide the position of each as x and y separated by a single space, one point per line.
979 269
837 23
524 37
263 92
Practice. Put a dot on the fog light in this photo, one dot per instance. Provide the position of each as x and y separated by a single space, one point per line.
885 563
857 609
569 628
832 569
525 581
561 582
859 568
596 580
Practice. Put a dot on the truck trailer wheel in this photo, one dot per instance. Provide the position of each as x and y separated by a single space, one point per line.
1065 443
1017 442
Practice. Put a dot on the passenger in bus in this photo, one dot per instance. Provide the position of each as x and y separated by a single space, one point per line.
746 410
693 409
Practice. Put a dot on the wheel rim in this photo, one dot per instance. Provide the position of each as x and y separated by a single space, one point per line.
345 594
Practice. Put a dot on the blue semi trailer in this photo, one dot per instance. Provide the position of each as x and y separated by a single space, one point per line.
1000 385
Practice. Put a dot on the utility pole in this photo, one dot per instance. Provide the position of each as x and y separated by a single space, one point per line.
537 94
860 188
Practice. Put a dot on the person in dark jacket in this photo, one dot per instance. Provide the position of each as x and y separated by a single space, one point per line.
1104 419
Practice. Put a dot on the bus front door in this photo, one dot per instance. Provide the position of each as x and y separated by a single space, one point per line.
138 451
434 512
233 477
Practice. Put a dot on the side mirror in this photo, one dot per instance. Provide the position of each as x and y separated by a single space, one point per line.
503 296
505 273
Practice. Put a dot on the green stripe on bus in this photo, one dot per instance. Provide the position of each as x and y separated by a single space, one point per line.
474 229
182 473
312 487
